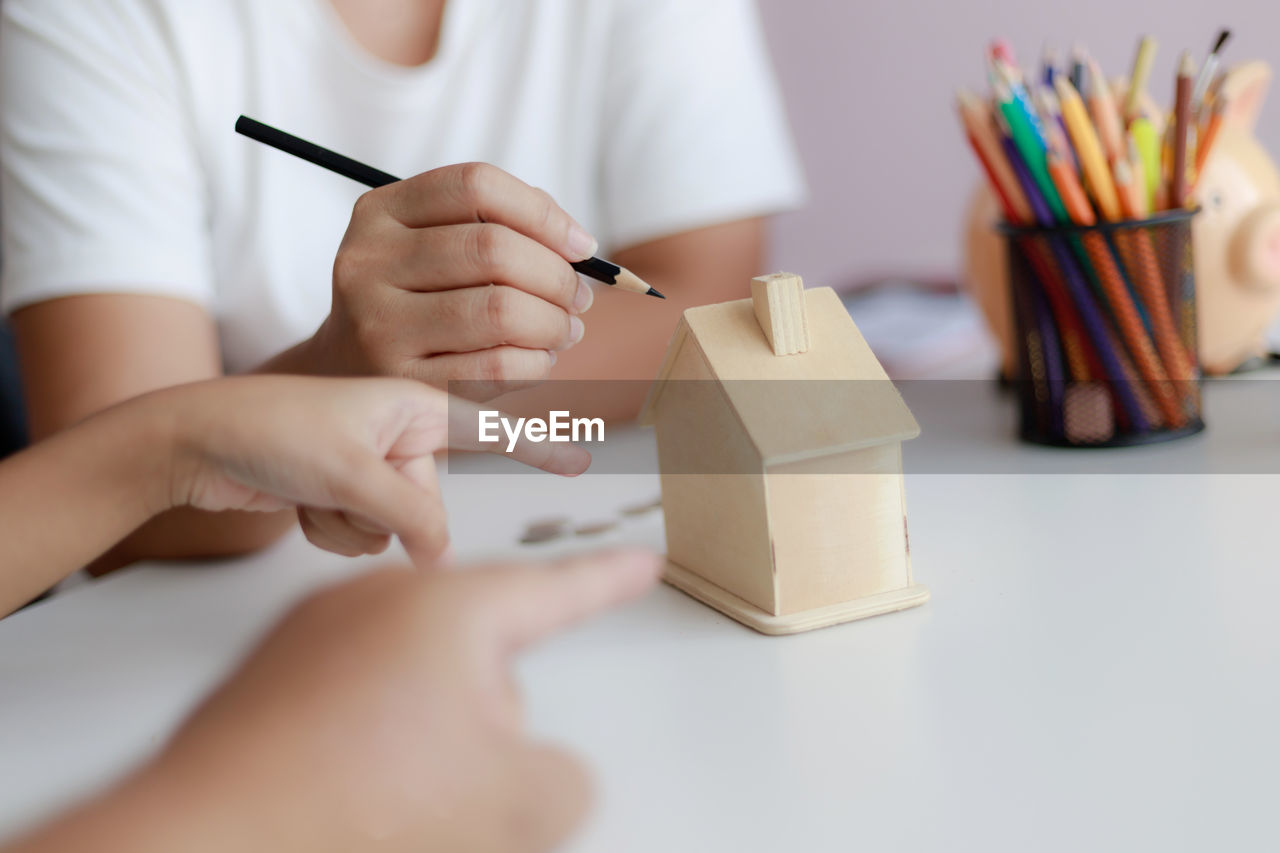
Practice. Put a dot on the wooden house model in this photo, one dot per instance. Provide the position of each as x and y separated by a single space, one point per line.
780 452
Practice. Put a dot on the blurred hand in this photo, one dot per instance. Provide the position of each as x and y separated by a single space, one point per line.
381 713
354 455
460 273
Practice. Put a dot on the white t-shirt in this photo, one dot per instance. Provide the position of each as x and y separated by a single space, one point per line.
122 171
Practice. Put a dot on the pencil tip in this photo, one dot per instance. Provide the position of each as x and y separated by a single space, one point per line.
1222 39
629 282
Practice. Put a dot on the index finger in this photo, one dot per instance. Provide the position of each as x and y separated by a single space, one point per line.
478 192
534 601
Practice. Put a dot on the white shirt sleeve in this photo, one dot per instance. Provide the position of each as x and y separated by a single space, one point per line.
696 133
101 188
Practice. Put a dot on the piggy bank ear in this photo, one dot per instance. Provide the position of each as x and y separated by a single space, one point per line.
1245 88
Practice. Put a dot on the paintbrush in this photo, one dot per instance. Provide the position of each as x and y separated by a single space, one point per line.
1208 70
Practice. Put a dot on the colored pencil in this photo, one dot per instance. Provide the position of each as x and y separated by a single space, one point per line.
1209 136
1089 150
1031 149
1134 204
1079 307
1078 68
1070 191
1041 360
1181 130
1010 85
1114 366
1082 363
1051 375
1048 258
1106 116
1006 206
1215 88
1048 65
1001 50
1031 145
1112 283
1099 298
1143 263
1055 129
1041 214
981 131
1138 77
1146 139
1035 252
601 270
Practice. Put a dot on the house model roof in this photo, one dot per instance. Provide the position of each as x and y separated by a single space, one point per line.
831 398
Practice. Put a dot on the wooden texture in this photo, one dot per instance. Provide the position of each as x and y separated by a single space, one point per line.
778 301
837 535
794 623
787 413
781 477
713 492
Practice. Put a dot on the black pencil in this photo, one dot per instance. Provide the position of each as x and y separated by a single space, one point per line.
601 270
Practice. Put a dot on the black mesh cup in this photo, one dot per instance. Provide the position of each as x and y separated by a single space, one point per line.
1105 331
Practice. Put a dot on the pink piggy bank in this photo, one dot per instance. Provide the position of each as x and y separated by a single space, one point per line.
1236 238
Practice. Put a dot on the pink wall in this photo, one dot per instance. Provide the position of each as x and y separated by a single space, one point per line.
870 84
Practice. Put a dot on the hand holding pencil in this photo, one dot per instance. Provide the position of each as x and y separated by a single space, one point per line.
601 270
458 274
461 274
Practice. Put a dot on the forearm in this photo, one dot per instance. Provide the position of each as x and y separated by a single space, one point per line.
185 533
128 345
66 500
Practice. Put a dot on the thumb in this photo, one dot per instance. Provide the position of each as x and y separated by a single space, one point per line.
550 793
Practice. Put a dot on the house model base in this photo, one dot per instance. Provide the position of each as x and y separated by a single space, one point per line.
793 623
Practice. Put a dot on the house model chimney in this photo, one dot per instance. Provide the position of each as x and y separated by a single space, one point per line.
778 300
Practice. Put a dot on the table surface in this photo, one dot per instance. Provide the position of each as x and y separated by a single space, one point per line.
1097 669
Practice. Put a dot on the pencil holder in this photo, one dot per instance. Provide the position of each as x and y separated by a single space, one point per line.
1105 331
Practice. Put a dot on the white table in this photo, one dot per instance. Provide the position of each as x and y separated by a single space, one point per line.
1099 668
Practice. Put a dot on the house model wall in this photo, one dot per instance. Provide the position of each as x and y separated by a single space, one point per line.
779 444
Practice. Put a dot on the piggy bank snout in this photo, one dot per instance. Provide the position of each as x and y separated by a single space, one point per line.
1257 248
